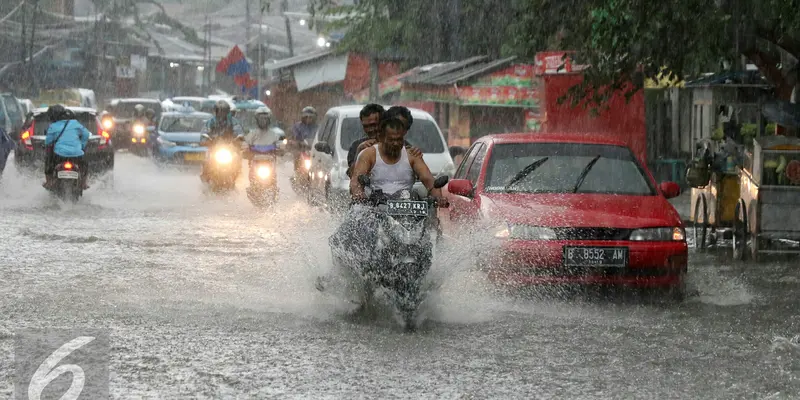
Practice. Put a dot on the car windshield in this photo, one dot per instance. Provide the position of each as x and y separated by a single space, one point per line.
423 135
616 171
126 109
89 121
196 104
182 124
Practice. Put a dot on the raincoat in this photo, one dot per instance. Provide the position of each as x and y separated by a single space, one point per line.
72 142
301 131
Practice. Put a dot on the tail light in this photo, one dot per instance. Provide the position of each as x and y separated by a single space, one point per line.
67 165
106 137
25 138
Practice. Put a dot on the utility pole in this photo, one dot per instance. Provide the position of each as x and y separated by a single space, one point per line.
247 27
284 9
260 58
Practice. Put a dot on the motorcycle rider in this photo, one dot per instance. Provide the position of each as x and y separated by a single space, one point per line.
151 116
263 134
391 167
222 126
307 127
66 141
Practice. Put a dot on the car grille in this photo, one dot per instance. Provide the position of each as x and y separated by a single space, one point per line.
187 144
592 233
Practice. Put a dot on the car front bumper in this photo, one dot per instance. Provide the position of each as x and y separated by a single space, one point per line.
183 154
538 262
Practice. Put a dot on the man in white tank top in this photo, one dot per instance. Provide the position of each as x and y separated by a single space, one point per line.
390 166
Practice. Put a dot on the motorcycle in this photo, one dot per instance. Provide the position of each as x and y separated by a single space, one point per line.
67 177
403 249
140 133
301 181
263 189
224 162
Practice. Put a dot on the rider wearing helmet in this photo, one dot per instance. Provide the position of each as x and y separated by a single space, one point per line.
223 122
66 141
263 134
151 115
138 111
307 127
221 126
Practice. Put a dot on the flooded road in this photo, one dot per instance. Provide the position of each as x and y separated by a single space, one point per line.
207 297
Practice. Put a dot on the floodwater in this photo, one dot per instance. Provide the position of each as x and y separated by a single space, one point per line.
207 297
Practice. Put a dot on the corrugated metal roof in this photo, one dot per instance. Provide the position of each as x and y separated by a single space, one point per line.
290 62
473 71
426 77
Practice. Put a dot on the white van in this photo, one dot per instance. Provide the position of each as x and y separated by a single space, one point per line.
341 126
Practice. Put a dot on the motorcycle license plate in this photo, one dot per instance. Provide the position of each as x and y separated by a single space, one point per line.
262 157
400 207
68 175
194 156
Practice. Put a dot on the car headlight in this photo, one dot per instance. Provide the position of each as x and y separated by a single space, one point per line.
223 156
108 123
138 129
525 232
165 142
676 234
263 172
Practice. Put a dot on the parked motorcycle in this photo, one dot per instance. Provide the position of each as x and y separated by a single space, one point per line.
403 248
263 189
67 177
224 162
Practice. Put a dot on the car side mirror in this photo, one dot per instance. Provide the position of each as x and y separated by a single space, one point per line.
670 189
460 187
440 182
323 147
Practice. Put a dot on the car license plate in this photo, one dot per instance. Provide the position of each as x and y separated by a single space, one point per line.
595 256
415 208
68 175
262 157
194 156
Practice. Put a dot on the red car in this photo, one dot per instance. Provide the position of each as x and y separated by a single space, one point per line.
568 209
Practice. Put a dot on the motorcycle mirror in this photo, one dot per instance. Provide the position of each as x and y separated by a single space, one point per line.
440 182
363 180
281 137
205 136
240 138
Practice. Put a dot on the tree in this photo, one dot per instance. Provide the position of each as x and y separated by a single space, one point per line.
677 38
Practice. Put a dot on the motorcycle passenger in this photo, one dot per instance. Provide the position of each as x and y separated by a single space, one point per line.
370 116
66 141
391 167
222 126
151 116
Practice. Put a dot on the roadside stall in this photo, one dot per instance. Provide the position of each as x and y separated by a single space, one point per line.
726 117
766 215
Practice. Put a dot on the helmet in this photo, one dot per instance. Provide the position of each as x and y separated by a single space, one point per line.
150 113
309 112
263 110
222 105
56 112
139 108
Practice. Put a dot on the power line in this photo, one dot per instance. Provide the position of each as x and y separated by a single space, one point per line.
12 11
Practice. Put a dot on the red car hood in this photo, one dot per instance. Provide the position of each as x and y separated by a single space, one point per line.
581 210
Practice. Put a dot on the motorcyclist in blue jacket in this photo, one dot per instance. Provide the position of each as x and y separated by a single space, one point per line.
66 141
